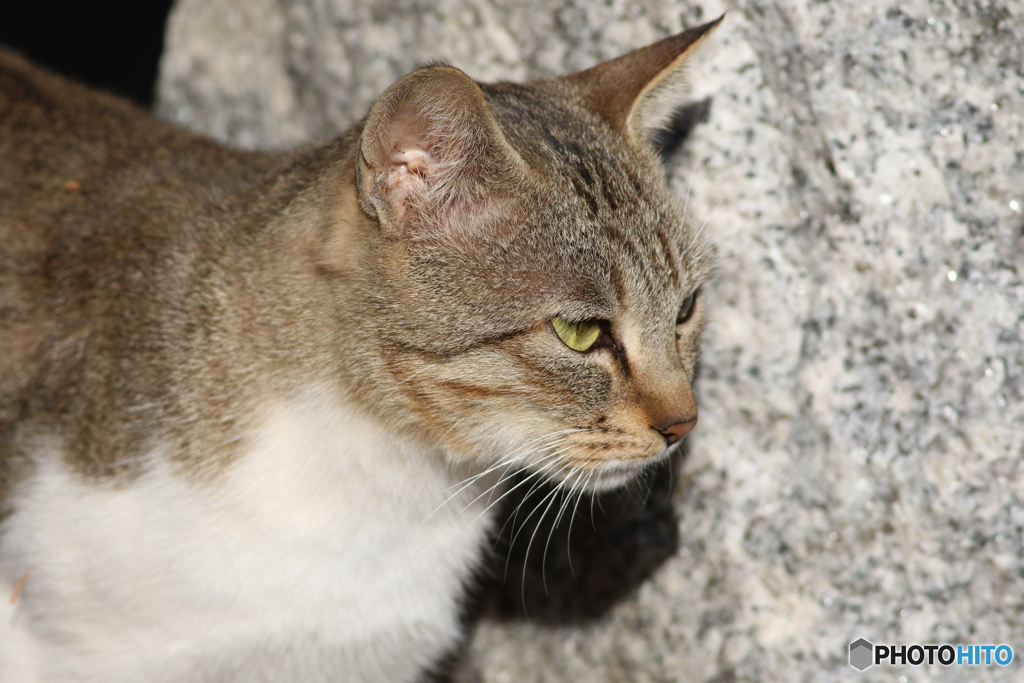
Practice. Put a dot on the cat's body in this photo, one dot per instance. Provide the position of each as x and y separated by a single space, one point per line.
250 403
203 552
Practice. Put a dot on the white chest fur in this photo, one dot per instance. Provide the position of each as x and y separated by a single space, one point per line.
327 553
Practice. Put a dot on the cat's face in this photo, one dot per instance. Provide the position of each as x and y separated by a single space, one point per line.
539 289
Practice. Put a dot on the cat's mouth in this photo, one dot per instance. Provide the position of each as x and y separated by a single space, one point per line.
592 458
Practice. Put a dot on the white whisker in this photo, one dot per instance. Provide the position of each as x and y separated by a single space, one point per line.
529 545
689 185
566 499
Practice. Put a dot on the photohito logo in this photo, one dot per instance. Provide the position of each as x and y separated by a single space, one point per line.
864 654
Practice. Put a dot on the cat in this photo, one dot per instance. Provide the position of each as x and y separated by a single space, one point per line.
256 408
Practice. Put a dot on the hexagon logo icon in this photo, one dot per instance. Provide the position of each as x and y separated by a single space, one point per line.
861 654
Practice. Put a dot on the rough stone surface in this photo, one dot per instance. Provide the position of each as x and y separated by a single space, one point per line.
857 469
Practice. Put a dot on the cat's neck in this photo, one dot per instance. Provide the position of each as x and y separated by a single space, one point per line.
317 452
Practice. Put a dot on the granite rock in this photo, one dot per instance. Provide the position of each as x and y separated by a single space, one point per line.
857 469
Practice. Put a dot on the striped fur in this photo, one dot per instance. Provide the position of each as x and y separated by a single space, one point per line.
268 372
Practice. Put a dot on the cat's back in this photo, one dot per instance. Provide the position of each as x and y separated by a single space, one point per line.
57 133
68 153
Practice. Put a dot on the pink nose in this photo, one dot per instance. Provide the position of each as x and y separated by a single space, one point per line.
678 430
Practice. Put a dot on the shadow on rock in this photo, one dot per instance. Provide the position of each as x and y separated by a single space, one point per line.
573 567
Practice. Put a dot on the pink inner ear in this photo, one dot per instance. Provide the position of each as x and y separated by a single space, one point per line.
410 164
407 173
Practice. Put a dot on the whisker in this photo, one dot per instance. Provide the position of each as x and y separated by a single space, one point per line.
518 454
426 542
671 482
713 216
507 466
505 462
537 473
525 498
568 535
718 264
526 556
499 498
566 499
529 545
689 184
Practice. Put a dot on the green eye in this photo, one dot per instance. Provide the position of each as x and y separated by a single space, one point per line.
577 336
686 309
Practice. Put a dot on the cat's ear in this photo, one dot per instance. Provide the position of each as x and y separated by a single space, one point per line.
431 154
638 93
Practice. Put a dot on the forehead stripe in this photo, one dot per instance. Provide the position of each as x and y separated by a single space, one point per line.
670 258
615 274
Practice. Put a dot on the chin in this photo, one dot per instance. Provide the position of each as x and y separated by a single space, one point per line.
611 474
613 477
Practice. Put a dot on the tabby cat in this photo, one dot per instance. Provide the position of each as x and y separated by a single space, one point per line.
256 409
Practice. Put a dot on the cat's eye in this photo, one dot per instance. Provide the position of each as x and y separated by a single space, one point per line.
686 309
579 336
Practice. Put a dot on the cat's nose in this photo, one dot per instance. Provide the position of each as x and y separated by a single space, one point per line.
677 431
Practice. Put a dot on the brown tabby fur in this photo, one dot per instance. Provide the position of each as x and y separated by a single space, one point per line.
156 286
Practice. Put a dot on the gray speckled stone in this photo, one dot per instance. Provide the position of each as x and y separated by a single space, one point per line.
857 469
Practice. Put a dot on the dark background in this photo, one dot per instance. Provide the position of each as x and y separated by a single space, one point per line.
113 45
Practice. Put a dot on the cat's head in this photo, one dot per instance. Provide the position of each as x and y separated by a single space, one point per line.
537 286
